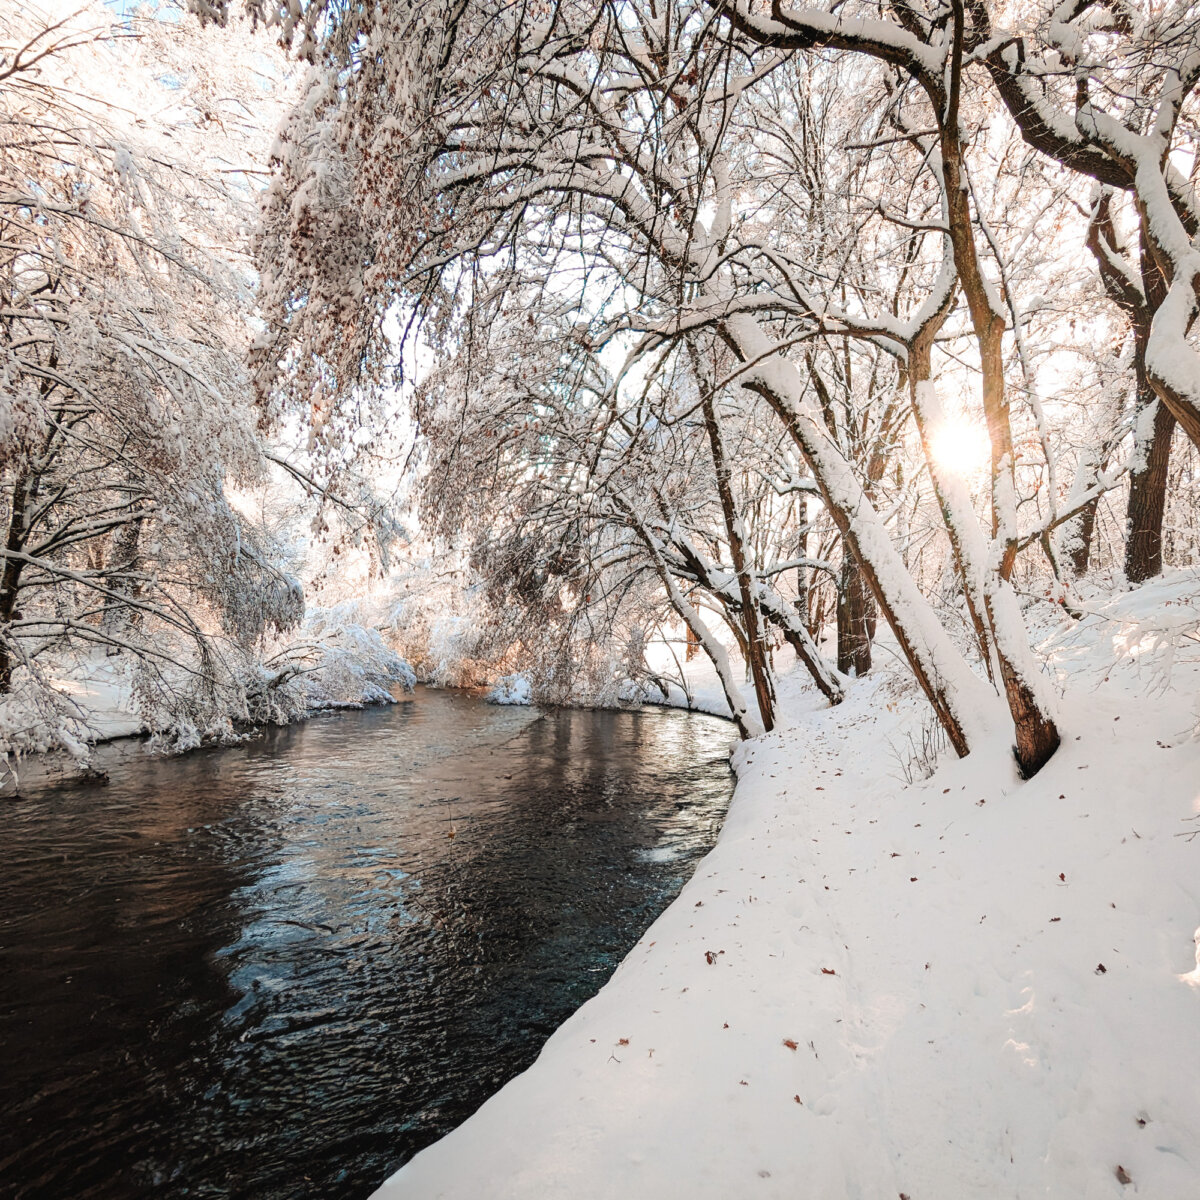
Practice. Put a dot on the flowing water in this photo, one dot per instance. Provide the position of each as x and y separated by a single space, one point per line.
279 970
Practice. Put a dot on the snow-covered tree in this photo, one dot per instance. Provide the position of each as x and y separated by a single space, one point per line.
799 188
125 408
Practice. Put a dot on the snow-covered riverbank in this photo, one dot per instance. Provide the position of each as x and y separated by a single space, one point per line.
81 701
964 986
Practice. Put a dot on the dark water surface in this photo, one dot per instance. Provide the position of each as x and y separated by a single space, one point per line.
271 971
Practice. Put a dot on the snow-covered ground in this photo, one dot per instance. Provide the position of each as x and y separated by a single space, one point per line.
965 986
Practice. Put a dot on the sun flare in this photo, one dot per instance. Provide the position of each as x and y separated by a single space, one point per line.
960 446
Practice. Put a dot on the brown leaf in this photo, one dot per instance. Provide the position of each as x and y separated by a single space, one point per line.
1101 969
709 957
790 1044
797 1100
828 971
623 1042
1122 1175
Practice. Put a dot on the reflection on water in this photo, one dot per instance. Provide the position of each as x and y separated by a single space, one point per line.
278 971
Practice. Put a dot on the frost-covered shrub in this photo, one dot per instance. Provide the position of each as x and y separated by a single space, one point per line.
511 689
334 662
37 719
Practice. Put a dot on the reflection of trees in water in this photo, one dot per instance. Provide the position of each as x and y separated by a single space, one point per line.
280 964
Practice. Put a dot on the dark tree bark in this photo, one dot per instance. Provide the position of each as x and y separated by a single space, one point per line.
1148 494
855 615
802 552
1152 433
1083 531
1037 736
10 577
1153 421
755 647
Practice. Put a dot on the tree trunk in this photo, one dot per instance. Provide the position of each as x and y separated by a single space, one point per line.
747 725
855 613
10 577
1148 494
752 623
1035 730
802 553
124 559
1079 540
958 697
1153 428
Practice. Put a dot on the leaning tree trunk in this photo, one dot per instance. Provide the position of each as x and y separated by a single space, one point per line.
747 726
773 610
959 698
752 623
1034 727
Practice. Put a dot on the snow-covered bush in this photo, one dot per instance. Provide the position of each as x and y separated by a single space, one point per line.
511 689
333 662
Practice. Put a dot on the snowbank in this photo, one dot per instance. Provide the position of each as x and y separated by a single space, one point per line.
704 694
331 663
101 689
966 986
511 689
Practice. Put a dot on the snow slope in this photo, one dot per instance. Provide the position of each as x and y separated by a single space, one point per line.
964 987
102 692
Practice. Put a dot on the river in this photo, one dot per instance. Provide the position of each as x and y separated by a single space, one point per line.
278 970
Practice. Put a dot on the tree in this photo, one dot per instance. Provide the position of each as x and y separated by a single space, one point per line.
124 403
675 176
1113 97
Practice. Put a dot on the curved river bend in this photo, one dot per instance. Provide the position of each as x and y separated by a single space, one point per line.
277 971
